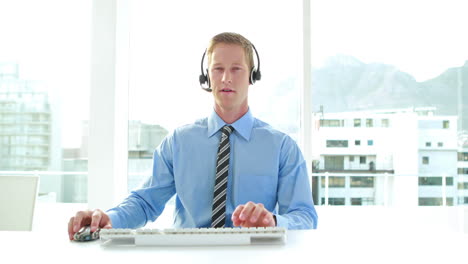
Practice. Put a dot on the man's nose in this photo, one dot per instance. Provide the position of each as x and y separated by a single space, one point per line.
227 78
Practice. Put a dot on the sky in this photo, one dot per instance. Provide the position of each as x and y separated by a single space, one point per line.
53 48
51 41
422 38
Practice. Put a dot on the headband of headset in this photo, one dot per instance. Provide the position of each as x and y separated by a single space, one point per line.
204 78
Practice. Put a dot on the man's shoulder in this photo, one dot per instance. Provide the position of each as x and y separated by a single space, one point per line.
274 138
277 137
267 129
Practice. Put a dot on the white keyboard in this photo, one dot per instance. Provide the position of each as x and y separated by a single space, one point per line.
196 236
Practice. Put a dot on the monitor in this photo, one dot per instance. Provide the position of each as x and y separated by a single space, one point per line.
17 201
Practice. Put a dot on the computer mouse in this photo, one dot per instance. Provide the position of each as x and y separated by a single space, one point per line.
85 234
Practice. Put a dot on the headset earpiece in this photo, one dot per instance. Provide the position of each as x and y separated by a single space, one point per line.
255 75
204 78
252 76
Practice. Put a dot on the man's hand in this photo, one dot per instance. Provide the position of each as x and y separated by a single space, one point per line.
95 219
252 215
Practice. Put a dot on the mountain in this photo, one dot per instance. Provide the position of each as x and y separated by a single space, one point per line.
346 84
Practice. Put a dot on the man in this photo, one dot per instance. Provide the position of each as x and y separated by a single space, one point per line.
229 169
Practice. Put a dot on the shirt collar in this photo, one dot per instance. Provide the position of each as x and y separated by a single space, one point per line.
243 126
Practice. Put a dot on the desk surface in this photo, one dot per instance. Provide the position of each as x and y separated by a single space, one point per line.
361 245
302 247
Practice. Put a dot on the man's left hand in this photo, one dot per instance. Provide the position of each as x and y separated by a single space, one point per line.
252 215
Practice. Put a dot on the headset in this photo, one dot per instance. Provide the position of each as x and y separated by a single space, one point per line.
255 74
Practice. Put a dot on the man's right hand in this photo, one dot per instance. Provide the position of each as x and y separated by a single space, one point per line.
95 219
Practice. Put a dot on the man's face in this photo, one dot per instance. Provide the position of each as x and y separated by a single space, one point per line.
229 76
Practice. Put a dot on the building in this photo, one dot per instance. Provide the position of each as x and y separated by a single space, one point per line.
387 157
29 136
74 187
143 139
25 123
462 167
437 156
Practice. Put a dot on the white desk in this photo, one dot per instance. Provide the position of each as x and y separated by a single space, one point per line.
362 245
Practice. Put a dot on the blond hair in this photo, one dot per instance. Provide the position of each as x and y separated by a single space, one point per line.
232 38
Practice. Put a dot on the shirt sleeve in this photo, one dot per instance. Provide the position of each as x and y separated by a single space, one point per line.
295 205
147 203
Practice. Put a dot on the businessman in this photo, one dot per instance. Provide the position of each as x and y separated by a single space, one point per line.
228 169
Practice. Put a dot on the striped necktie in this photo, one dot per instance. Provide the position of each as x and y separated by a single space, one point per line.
218 216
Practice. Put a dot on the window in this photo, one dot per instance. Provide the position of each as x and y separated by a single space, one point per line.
362 160
337 143
385 122
357 142
331 123
430 181
430 201
334 182
356 201
351 158
362 182
164 72
463 186
425 160
449 181
428 144
462 170
334 201
369 122
463 156
445 124
449 201
44 94
344 48
334 163
435 201
349 90
362 201
370 142
357 122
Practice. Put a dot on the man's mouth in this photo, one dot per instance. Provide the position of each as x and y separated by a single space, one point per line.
226 90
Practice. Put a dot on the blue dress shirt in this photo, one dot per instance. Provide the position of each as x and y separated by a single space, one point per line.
266 166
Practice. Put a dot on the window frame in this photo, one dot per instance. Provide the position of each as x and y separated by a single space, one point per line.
108 122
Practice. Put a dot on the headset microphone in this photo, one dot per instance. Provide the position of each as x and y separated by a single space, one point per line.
204 78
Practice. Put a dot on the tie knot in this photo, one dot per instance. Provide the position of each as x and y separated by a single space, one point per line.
227 130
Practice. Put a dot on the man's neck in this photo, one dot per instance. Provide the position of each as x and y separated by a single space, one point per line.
230 115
